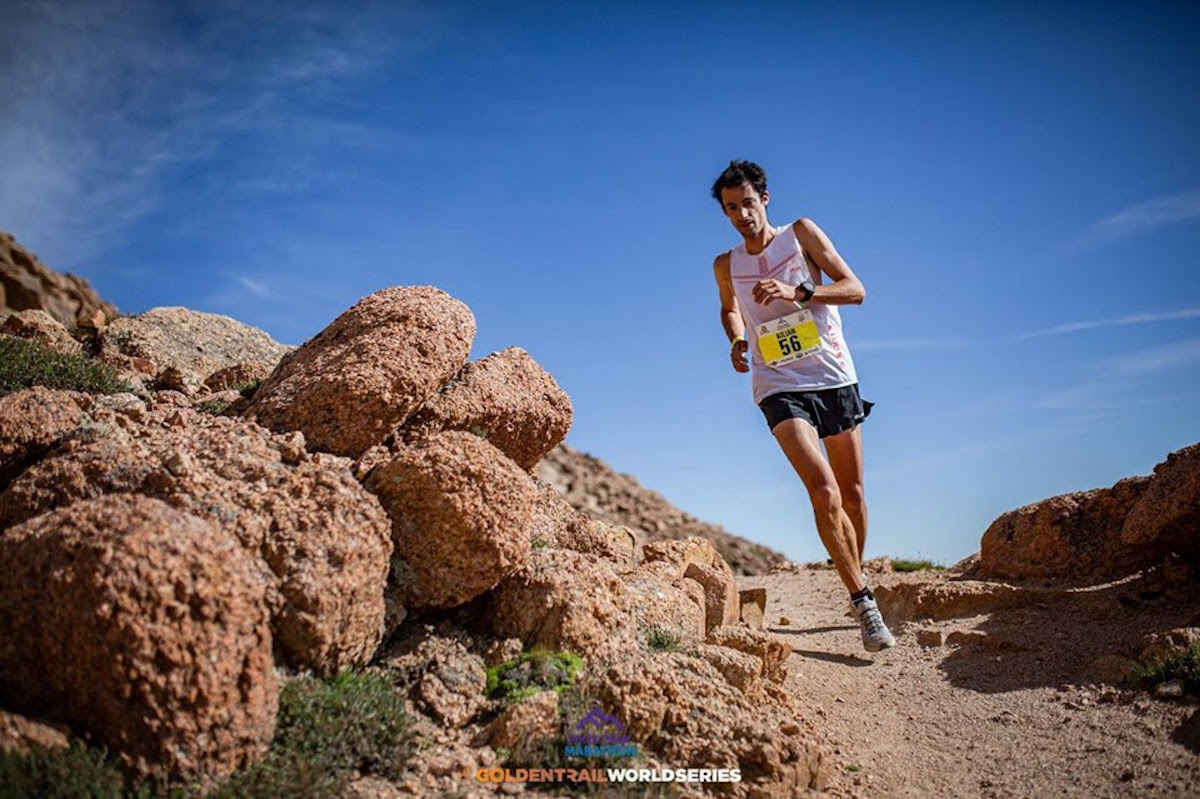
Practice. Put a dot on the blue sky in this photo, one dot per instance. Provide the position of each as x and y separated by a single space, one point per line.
1018 188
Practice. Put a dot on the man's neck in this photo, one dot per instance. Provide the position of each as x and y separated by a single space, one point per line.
756 244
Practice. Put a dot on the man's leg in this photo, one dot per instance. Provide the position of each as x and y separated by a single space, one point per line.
800 443
846 460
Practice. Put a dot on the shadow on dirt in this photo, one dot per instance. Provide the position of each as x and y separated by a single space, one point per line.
1009 637
1066 637
831 657
812 630
1188 733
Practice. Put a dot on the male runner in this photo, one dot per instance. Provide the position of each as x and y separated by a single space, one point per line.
776 305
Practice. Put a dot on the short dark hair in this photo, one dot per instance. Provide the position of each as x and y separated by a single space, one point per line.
737 173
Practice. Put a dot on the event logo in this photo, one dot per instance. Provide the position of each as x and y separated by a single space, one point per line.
599 734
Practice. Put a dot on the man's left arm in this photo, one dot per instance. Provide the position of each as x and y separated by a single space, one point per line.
846 288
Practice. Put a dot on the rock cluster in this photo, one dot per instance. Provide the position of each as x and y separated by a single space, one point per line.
1103 534
183 350
359 379
144 626
505 398
320 541
160 557
1166 517
564 600
460 512
715 711
39 326
26 284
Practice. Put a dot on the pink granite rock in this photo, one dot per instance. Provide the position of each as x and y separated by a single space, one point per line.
353 384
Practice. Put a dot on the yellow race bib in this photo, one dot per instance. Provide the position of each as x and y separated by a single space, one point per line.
788 338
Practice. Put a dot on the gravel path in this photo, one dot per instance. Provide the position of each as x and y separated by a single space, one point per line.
1004 710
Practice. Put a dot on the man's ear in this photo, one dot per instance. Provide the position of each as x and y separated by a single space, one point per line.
766 197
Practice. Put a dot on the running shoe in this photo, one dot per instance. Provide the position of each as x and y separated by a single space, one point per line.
875 634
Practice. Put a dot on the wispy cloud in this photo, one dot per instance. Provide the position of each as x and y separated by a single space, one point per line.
1118 321
255 287
1155 359
911 344
1105 398
1090 396
1134 220
1148 215
118 95
1115 382
1082 421
931 460
993 403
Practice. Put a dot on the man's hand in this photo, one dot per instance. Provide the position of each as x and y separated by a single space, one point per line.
737 354
768 290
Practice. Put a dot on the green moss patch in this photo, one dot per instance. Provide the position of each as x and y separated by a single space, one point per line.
532 672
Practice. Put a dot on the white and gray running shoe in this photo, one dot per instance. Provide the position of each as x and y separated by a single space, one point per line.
875 634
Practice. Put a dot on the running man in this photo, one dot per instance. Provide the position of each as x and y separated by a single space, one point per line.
777 307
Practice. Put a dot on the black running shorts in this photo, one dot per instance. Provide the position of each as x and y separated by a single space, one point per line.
831 410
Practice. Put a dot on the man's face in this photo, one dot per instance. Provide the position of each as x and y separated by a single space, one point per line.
746 209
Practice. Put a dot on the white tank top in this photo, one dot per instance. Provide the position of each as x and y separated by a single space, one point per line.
783 260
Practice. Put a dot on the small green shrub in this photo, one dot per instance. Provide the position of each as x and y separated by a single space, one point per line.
531 672
77 772
901 565
1183 665
60 773
247 389
326 730
661 640
282 775
25 363
214 406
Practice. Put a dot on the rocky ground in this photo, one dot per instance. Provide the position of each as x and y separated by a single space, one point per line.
1014 691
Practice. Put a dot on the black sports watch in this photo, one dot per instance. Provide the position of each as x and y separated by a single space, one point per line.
809 290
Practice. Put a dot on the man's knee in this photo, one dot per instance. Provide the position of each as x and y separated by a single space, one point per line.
854 497
826 498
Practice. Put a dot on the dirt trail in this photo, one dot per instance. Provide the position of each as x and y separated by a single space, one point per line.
1010 712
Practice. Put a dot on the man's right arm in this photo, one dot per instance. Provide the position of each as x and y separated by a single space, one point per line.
731 315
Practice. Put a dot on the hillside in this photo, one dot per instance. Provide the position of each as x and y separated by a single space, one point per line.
591 486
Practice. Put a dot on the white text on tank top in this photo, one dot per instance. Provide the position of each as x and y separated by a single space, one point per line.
830 366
